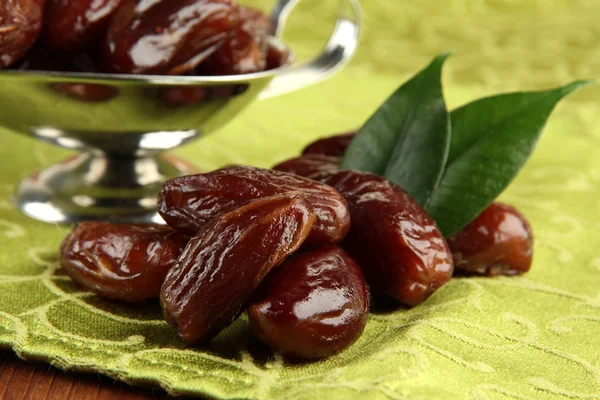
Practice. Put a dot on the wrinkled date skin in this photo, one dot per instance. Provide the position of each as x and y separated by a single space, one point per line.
228 259
334 146
246 52
20 27
398 246
189 202
122 262
498 242
167 36
309 165
313 306
73 24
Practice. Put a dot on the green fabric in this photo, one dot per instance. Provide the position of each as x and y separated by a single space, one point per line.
536 336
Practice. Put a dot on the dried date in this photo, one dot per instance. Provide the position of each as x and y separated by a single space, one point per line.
228 259
122 262
246 51
398 246
189 202
498 242
20 27
309 165
313 306
73 24
167 36
334 146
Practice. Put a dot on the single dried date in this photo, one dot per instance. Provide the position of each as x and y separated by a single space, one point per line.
309 165
313 306
187 203
228 259
122 262
498 242
73 24
246 51
20 27
334 146
398 246
167 36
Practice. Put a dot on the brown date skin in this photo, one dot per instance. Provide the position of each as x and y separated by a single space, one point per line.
187 203
398 246
121 262
20 27
246 51
334 146
71 25
278 55
309 165
313 306
167 36
228 259
498 242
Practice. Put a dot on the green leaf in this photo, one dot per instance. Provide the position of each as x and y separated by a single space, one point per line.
407 139
491 141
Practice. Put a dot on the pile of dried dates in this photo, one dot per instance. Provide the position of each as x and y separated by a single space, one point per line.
301 247
161 37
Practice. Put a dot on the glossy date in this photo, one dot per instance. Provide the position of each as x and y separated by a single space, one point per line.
313 306
227 260
398 246
309 165
246 51
161 37
20 27
498 242
334 146
189 202
122 262
73 24
167 36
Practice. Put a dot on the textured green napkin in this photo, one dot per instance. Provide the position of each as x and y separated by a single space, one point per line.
536 336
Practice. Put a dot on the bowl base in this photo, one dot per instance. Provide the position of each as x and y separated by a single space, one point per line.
96 186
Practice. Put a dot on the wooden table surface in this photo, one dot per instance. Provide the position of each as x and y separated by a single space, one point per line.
20 380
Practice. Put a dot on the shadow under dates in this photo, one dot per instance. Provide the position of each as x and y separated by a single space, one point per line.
236 342
384 305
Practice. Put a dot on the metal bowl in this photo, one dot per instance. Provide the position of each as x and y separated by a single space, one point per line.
122 124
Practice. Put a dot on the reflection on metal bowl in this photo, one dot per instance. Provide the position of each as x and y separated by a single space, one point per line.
122 122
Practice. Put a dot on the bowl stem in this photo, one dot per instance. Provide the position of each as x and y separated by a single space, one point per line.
95 185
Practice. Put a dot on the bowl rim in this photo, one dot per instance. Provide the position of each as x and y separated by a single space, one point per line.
180 80
94 77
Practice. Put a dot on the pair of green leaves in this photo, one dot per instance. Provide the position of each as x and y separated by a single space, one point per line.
455 163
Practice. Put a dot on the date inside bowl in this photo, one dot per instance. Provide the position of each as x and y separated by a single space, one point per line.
165 37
